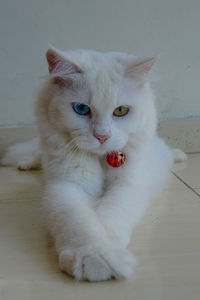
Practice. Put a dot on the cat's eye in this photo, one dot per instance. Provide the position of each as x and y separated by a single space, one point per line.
121 111
81 109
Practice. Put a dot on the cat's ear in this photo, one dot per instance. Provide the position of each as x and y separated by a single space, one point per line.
139 68
61 69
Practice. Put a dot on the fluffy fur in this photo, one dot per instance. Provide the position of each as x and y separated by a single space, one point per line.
91 208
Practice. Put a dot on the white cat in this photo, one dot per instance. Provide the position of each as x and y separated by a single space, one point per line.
92 104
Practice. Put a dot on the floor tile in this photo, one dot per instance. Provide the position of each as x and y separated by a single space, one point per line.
191 171
19 185
167 243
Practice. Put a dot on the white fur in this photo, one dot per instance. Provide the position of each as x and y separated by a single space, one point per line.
178 155
24 155
91 208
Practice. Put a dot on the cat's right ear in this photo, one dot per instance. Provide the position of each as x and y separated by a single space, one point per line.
60 67
52 59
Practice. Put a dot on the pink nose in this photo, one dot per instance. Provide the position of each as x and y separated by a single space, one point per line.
101 138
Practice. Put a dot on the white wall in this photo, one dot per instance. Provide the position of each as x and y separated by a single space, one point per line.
134 26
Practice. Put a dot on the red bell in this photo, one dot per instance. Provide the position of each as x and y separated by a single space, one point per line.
116 159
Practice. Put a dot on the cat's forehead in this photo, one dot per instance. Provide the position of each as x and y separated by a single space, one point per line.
103 89
89 59
103 78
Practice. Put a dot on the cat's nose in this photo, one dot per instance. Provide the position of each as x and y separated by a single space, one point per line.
101 138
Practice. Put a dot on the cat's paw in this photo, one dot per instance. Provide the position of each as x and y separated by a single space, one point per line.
28 163
97 264
178 155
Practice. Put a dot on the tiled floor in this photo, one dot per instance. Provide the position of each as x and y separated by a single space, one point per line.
167 243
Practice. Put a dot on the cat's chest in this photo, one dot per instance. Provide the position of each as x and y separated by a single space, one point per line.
87 173
115 175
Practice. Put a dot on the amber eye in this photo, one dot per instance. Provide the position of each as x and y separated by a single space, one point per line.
121 111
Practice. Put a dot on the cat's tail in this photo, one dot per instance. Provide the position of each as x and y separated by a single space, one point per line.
24 156
178 155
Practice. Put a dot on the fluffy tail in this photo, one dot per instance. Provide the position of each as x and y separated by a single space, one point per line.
24 155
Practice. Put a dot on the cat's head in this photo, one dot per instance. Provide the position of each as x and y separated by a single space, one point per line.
100 100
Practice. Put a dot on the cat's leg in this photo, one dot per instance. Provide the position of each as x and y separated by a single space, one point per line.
84 249
25 156
128 196
29 163
120 209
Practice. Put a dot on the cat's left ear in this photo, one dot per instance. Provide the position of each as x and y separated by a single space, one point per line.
139 68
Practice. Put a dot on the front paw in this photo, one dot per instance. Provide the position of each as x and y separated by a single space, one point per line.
97 264
28 163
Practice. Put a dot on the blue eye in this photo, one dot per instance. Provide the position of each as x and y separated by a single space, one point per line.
81 109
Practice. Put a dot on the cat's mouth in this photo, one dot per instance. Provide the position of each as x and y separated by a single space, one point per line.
100 149
93 146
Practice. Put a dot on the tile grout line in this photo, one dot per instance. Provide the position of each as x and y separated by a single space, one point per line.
185 183
193 152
